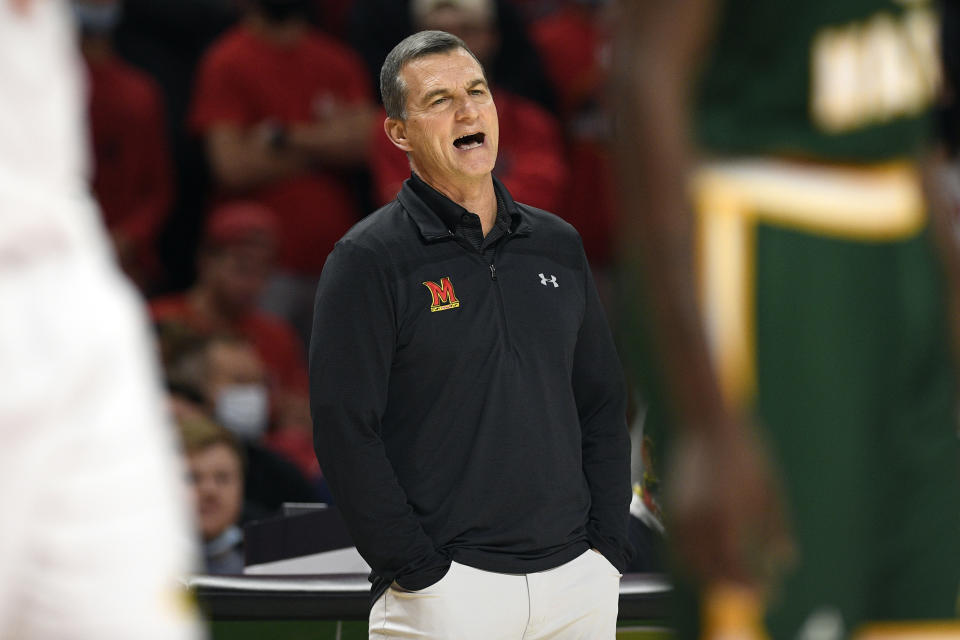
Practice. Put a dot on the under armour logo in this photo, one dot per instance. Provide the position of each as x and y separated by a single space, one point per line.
544 280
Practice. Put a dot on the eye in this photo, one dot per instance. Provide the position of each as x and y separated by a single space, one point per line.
477 92
439 100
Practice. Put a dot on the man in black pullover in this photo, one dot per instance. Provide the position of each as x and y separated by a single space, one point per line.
468 404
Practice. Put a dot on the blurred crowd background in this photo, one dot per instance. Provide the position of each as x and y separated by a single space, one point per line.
235 141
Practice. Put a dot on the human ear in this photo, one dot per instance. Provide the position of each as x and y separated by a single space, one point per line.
396 130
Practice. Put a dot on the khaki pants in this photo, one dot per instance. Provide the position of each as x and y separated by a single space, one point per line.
577 600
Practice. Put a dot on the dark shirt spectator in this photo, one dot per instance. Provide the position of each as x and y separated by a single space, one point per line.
214 460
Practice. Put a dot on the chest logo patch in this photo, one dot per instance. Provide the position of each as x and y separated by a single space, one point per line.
544 280
442 295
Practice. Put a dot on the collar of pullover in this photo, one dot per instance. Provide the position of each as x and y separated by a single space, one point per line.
438 217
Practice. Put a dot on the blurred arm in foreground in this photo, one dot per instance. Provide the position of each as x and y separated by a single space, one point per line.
95 535
723 509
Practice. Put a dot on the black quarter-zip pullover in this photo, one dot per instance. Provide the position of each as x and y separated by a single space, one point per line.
467 400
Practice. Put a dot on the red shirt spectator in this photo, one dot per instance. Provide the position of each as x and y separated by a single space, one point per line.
574 49
235 260
529 162
255 85
132 178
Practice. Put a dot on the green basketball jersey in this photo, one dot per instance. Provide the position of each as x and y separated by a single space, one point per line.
843 80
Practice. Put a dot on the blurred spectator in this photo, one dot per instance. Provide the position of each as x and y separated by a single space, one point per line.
285 110
530 160
376 26
215 463
132 175
574 45
332 16
235 260
166 38
225 374
235 387
535 9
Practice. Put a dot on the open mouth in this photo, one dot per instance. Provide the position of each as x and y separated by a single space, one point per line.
472 141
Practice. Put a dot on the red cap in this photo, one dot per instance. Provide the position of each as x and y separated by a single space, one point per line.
238 222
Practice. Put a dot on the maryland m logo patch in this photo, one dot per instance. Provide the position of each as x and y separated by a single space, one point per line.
443 295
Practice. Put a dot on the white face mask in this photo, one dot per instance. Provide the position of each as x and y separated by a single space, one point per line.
244 409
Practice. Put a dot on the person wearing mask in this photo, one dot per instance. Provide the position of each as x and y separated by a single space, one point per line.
132 177
285 114
226 378
214 461
235 387
235 261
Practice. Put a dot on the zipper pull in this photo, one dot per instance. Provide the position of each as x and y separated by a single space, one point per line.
493 272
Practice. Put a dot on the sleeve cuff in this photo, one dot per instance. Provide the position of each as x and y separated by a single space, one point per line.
617 550
424 578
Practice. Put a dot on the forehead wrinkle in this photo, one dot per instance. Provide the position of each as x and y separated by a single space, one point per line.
442 64
421 86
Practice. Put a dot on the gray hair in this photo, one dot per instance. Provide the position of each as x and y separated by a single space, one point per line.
392 88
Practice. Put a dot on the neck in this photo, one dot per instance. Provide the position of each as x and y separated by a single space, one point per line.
284 34
476 196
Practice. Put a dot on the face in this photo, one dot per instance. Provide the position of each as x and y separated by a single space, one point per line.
216 477
451 131
231 363
237 274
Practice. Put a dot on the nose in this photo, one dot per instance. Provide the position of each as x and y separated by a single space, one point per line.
466 109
